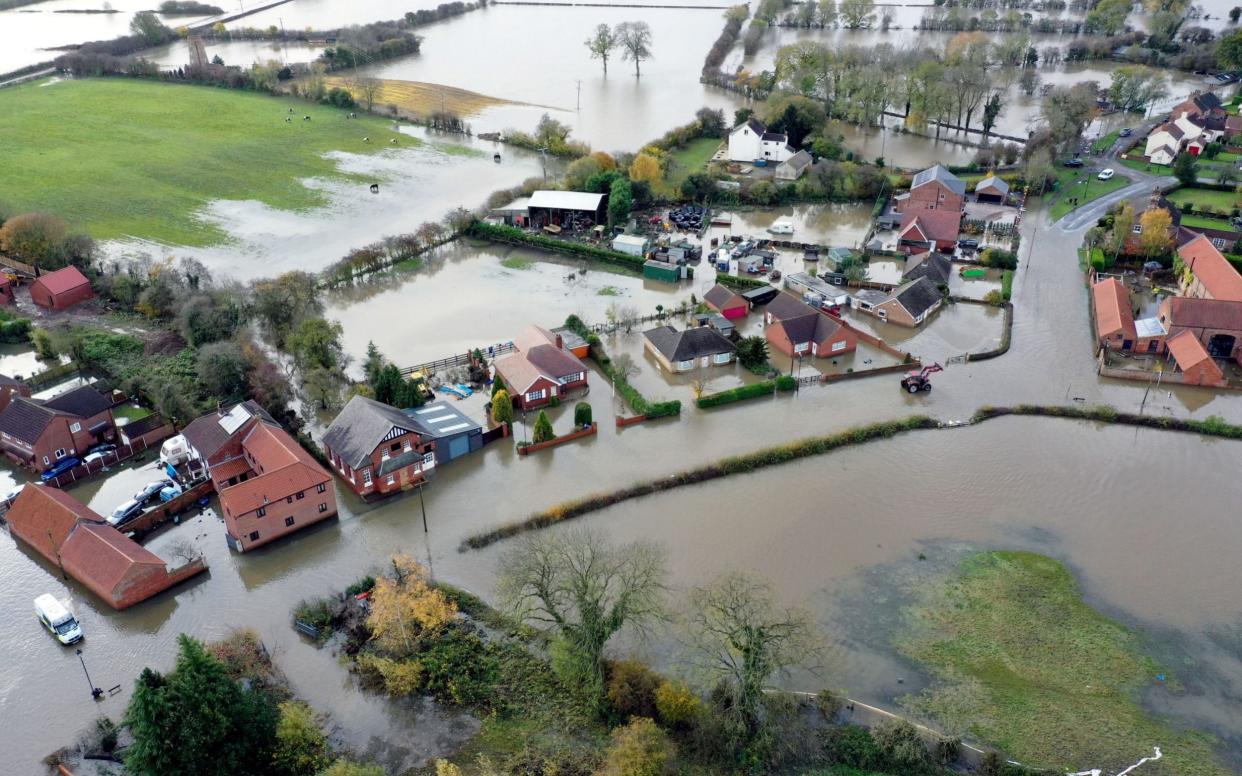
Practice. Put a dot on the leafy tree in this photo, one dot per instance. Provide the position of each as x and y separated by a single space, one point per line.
601 43
1185 169
645 167
388 385
281 302
743 636
502 408
620 202
640 748
1234 13
301 747
698 187
147 26
794 115
1135 86
601 182
221 369
33 237
711 122
857 14
635 41
316 343
406 608
323 386
582 414
1108 17
206 318
584 589
1066 110
198 720
676 704
752 352
1156 238
901 746
344 767
543 428
991 110
373 363
1123 226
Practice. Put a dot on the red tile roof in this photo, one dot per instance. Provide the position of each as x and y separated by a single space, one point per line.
1112 309
44 517
63 280
1212 269
1204 313
940 225
102 558
283 468
537 356
1188 351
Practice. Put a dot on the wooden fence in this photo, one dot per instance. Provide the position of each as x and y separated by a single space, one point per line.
461 359
123 452
156 517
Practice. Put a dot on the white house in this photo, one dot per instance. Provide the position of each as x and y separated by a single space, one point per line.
750 141
1185 132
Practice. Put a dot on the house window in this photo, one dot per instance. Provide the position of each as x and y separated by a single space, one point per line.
722 358
1219 242
322 487
288 521
392 479
573 378
395 446
1138 228
535 395
801 347
838 346
60 453
323 508
288 499
45 461
383 455
429 459
254 536
262 511
366 476
408 446
75 428
300 495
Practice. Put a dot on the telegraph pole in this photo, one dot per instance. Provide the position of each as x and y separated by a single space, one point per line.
579 82
96 693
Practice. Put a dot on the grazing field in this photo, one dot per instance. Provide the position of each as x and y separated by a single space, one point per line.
1223 201
122 157
420 98
1024 664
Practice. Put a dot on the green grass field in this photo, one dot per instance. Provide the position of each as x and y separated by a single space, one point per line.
1106 142
1223 201
1203 222
690 158
1154 169
1086 191
1025 665
121 157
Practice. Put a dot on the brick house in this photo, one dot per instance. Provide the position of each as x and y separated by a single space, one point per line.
1208 274
795 328
269 486
681 351
910 304
932 189
1115 327
61 289
1217 324
39 433
921 231
377 449
10 388
1193 362
541 369
74 538
727 302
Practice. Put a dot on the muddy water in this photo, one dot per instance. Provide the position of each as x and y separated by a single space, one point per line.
239 53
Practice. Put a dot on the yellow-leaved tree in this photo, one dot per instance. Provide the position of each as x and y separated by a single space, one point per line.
1156 238
645 167
406 608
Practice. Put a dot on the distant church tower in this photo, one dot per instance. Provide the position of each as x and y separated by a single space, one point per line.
198 53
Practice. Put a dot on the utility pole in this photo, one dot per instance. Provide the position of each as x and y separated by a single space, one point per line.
422 503
96 693
579 82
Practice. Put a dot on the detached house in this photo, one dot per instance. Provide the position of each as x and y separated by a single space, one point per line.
377 449
797 329
932 189
910 304
681 351
541 369
39 433
269 486
61 289
921 231
751 141
1193 124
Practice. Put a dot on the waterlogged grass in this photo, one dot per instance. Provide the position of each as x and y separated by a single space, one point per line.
1106 142
517 262
122 157
689 159
1025 665
609 291
1223 201
456 149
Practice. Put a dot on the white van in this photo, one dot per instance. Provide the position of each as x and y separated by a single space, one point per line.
57 619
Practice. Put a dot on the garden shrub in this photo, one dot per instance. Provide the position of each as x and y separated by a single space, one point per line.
786 383
582 414
632 689
361 586
740 393
853 746
676 704
902 747
640 748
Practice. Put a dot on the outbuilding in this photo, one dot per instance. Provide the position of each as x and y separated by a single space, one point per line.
455 435
561 208
991 189
61 289
630 244
663 271
727 302
760 295
1193 361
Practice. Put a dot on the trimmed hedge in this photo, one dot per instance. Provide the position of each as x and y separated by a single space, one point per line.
736 281
749 462
1213 425
786 383
741 393
1007 284
511 234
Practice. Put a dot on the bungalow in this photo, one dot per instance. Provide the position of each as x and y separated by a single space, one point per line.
61 289
751 141
936 267
927 230
797 329
1193 361
1217 324
794 167
1208 274
991 189
377 449
540 370
727 302
681 351
911 303
269 486
82 545
932 189
40 433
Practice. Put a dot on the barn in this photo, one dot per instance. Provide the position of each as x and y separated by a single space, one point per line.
564 208
61 289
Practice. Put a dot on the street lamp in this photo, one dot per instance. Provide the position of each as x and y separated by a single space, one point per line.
96 693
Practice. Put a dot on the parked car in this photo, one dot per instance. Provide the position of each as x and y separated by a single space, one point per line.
1073 162
59 621
968 244
1125 132
125 512
62 466
1106 174
170 492
93 457
150 490
102 447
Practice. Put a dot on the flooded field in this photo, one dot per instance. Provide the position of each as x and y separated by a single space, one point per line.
842 225
239 53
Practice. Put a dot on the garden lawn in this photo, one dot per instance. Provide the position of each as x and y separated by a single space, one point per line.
690 158
1106 142
1087 191
1140 165
1223 201
1204 222
1025 665
123 157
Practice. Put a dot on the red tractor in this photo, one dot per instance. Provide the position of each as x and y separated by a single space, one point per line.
914 382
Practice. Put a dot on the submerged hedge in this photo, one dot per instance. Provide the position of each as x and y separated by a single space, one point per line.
741 393
511 234
1213 425
770 456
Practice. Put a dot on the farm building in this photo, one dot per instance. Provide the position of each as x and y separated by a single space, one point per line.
991 189
1192 360
1216 323
794 167
1209 275
516 213
61 289
681 351
562 208
662 271
1115 327
727 302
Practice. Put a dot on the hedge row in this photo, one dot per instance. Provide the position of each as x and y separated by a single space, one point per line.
770 456
737 281
741 393
638 403
1213 425
511 234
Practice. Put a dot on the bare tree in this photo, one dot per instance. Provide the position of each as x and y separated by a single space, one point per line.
601 43
368 89
635 40
743 637
183 551
623 366
584 589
